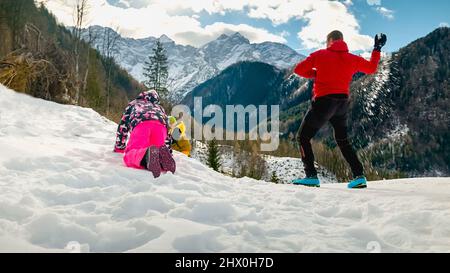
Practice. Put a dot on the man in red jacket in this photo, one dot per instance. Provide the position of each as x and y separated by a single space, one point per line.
333 69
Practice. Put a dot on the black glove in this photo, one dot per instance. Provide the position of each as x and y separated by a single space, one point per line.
380 41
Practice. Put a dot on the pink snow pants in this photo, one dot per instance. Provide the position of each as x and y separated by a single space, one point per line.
144 135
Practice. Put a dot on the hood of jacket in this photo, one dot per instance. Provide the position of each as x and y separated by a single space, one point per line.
149 96
339 46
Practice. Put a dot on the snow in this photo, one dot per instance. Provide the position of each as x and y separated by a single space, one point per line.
61 184
398 132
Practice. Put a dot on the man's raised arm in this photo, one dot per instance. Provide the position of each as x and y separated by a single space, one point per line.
370 67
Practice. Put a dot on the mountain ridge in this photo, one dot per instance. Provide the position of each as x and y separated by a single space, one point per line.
190 66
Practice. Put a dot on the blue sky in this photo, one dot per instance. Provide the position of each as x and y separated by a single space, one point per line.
410 19
301 24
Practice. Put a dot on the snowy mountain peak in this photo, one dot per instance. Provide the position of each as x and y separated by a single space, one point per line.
239 37
223 40
222 37
189 66
165 39
237 34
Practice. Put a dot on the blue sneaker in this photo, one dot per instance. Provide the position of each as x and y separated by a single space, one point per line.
358 183
309 182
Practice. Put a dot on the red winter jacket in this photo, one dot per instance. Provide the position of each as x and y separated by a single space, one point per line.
334 67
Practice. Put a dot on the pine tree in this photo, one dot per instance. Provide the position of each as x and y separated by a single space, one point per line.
156 70
274 178
213 155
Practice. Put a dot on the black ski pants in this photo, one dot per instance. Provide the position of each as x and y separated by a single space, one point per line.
332 108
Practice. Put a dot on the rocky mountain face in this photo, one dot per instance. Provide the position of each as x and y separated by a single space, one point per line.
189 66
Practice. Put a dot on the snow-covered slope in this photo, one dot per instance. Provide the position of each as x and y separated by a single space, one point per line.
60 183
189 66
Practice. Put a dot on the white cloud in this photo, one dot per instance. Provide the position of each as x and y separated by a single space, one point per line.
444 24
321 16
155 20
285 34
280 11
210 6
348 2
389 14
385 12
132 3
328 16
374 2
157 17
201 36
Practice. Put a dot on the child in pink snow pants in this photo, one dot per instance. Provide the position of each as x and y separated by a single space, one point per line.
142 135
146 134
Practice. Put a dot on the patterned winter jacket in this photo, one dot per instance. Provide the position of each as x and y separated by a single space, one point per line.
145 107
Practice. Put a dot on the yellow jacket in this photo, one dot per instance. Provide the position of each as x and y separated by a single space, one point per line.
183 144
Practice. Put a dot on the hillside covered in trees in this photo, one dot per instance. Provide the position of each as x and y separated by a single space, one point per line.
403 111
42 58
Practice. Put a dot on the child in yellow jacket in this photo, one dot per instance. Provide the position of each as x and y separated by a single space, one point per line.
180 142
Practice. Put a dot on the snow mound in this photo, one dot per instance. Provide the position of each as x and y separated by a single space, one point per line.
60 185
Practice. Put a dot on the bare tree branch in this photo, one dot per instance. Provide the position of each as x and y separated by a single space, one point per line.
81 10
109 49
